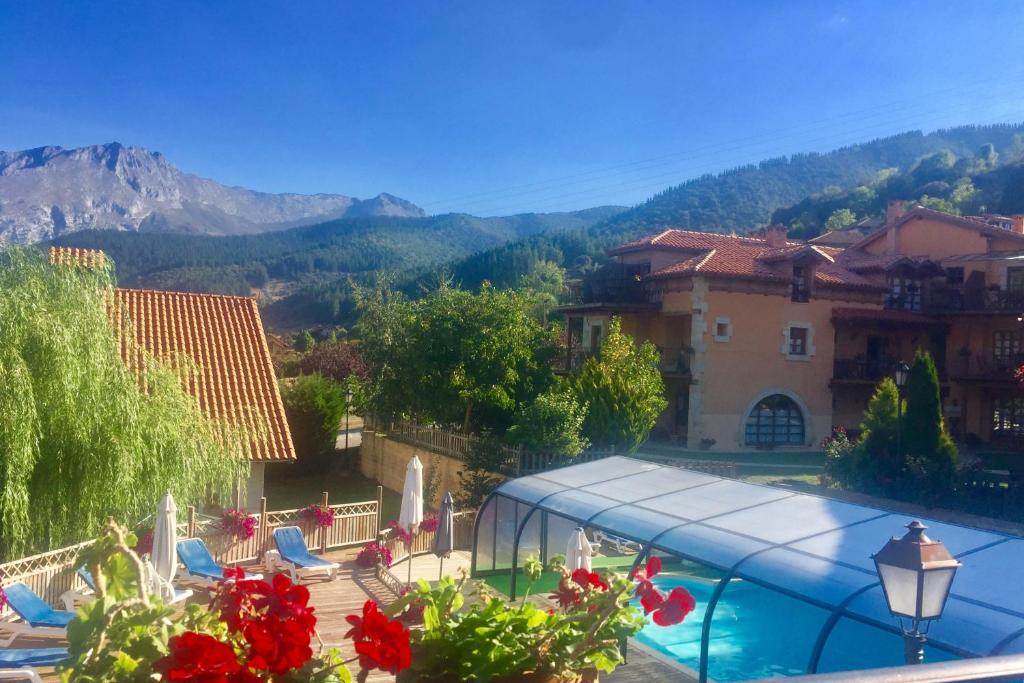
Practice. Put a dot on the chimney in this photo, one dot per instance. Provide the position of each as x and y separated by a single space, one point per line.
775 236
1018 223
894 210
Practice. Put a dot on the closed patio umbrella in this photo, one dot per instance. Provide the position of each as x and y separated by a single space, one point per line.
444 538
165 546
411 514
578 551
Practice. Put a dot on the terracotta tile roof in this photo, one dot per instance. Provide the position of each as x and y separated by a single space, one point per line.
72 256
964 222
726 256
232 376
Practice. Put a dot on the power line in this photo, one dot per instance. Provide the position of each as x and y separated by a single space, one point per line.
706 150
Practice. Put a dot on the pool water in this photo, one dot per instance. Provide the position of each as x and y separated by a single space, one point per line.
758 633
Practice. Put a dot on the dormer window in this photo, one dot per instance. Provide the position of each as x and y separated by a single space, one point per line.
801 284
904 293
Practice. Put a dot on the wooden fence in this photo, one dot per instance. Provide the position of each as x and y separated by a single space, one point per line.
52 573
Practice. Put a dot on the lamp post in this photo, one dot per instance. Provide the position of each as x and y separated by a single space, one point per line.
916 574
348 408
902 371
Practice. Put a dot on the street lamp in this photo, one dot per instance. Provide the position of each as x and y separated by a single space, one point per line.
902 372
348 408
916 574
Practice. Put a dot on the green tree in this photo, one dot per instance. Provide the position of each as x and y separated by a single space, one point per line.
552 423
938 204
840 218
79 441
623 391
455 357
878 464
931 454
543 285
305 341
314 405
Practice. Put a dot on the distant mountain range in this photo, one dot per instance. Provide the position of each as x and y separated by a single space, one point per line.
50 191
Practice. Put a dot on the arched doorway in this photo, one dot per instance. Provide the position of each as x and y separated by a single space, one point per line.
775 420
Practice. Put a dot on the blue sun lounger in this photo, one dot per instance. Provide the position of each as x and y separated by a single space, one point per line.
37 619
15 664
295 556
199 565
75 597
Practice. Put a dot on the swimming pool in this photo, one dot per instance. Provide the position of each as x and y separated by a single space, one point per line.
758 633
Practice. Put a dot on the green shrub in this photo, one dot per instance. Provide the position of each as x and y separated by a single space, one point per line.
315 406
931 455
552 423
623 391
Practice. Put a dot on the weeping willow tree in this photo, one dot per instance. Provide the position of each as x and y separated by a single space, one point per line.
79 440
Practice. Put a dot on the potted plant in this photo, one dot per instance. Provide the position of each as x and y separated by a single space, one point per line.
494 641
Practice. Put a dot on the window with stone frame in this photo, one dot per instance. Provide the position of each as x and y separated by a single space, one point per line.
1008 417
1005 347
798 341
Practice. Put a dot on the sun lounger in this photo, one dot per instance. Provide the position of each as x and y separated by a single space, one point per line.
199 565
15 664
75 597
35 617
617 543
295 556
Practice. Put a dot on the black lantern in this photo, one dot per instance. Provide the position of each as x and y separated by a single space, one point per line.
917 574
902 372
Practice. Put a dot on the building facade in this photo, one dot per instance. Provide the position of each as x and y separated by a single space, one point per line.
769 343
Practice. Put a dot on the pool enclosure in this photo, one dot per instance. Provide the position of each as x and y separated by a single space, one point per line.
811 552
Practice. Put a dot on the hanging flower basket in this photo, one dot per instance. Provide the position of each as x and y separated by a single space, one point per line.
318 515
238 523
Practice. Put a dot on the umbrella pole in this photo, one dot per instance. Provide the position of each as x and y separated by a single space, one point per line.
409 581
440 571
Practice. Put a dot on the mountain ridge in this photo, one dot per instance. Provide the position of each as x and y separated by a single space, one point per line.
49 191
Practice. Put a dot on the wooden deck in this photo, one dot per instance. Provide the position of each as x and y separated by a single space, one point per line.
334 600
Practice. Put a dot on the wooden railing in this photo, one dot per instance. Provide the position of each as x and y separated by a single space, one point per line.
52 573
421 544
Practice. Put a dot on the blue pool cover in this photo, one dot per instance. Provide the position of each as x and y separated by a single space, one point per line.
811 548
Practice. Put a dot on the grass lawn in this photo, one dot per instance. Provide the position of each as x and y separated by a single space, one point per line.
289 492
751 458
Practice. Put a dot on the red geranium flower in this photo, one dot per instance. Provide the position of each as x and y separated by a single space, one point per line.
381 643
675 607
589 580
277 645
198 658
234 573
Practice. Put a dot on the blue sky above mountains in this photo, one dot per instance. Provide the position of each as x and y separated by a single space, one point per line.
497 108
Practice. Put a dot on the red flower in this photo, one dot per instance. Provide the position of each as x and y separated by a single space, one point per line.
198 658
381 643
568 594
675 607
277 645
589 580
234 573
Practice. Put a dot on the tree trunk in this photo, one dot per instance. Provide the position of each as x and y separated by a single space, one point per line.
465 421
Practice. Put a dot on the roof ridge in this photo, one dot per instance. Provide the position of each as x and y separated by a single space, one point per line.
211 295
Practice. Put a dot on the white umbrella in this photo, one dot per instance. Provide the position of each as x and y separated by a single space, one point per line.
411 514
165 546
578 551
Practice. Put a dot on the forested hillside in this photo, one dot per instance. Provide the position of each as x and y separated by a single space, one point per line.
746 198
984 182
313 254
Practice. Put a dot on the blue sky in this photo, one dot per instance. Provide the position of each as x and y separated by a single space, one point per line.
495 108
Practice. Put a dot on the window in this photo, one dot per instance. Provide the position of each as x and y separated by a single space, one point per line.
775 421
723 329
954 276
798 341
801 284
904 293
1015 280
1005 347
1007 416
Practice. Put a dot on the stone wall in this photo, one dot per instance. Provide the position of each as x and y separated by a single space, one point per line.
385 460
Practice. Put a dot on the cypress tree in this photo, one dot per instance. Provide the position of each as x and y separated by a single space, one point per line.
931 454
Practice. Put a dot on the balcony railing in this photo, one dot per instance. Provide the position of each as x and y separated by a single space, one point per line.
988 368
571 360
982 301
616 283
855 369
675 360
